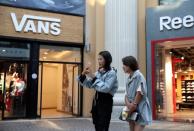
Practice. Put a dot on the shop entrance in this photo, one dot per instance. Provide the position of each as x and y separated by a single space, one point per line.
173 73
59 92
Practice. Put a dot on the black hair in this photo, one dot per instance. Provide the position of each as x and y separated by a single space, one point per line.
108 59
131 62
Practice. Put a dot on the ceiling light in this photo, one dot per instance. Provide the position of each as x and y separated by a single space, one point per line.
179 70
162 70
185 72
4 50
189 68
45 53
175 76
182 58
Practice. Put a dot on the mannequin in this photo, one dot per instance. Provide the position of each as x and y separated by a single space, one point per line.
18 85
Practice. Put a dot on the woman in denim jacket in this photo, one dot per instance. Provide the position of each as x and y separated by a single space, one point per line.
136 98
104 81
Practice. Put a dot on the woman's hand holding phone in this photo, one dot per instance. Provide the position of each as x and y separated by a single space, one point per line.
88 71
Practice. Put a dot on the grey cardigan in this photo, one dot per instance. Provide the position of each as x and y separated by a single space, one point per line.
136 80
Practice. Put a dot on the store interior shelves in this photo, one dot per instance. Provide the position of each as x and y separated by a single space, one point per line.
187 91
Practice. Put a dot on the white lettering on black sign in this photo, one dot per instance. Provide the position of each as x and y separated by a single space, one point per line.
44 25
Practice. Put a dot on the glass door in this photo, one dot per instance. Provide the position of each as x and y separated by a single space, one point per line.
160 82
59 92
76 90
13 88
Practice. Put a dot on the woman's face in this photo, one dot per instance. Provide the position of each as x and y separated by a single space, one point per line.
101 61
126 69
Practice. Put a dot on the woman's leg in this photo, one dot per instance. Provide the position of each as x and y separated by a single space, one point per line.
101 127
139 127
132 125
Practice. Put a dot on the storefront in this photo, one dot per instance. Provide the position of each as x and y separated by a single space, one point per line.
170 61
41 54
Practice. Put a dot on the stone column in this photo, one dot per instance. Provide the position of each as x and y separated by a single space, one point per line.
121 37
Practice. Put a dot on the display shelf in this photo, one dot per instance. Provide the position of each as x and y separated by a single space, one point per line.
187 91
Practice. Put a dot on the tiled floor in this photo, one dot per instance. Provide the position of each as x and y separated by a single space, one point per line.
53 113
186 115
77 124
48 113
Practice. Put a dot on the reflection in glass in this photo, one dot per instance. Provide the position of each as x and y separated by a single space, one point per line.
160 82
15 50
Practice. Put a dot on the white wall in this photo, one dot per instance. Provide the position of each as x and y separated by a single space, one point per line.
49 88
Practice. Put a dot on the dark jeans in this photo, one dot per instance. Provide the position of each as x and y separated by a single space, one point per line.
101 128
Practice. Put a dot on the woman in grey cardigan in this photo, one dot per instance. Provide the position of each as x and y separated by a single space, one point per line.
104 81
136 94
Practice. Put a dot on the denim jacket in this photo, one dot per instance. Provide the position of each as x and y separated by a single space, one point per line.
105 82
136 80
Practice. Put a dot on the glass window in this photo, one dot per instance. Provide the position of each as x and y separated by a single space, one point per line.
16 50
59 54
14 77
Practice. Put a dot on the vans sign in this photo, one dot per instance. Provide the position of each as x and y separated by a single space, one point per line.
168 23
36 24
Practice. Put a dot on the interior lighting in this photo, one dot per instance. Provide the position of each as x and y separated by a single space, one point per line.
182 58
44 57
4 50
179 70
190 67
46 53
185 72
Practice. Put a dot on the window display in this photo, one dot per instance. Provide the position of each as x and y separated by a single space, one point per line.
14 89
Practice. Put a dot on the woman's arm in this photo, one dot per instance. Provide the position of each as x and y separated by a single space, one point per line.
133 105
106 85
83 80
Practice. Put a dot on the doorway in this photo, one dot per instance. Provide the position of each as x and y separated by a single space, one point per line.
174 79
59 90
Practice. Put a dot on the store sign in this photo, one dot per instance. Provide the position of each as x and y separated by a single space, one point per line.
44 25
41 25
169 23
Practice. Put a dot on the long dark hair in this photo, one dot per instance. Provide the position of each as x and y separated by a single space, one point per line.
108 59
131 62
